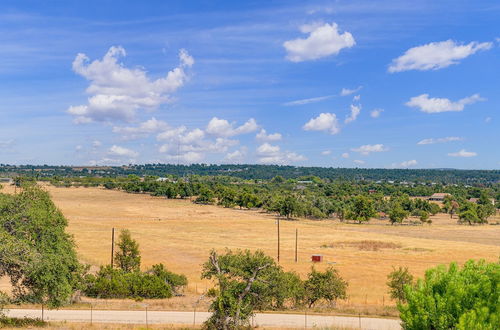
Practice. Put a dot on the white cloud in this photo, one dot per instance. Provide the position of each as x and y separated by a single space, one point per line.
355 110
272 154
189 157
122 152
375 113
487 120
356 98
117 93
144 129
96 144
78 148
266 149
369 148
405 164
347 91
462 153
309 100
188 146
436 105
236 156
440 140
358 162
324 122
345 155
263 136
436 55
6 144
221 127
326 152
323 40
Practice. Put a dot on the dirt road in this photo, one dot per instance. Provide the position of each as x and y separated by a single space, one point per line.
163 317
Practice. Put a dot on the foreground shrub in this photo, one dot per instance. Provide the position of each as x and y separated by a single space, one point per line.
454 297
116 283
15 322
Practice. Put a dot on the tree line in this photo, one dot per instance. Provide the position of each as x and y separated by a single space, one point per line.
261 172
312 197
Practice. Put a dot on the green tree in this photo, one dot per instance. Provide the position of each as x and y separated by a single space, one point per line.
288 206
327 285
397 214
396 281
453 297
240 286
127 257
36 254
362 209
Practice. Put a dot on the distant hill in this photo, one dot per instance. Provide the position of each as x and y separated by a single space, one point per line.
263 172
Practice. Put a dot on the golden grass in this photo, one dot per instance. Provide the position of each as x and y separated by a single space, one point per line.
180 234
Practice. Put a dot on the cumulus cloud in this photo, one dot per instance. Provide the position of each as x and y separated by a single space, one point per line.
236 156
463 153
345 155
309 100
96 144
187 146
369 148
272 154
405 164
117 92
326 152
122 152
347 91
263 136
436 105
323 40
355 110
375 113
440 140
324 122
436 55
222 127
142 130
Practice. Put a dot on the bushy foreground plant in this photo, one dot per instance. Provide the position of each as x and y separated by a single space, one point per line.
453 297
247 281
127 281
117 283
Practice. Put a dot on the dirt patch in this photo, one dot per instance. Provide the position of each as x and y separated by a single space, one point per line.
365 245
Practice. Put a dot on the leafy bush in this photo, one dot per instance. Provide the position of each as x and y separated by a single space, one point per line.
454 297
327 285
117 283
397 280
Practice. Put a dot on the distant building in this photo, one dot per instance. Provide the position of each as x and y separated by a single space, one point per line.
475 200
438 197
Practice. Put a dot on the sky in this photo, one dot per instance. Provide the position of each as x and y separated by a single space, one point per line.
385 84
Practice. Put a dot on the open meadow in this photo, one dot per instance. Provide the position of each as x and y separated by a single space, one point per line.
180 234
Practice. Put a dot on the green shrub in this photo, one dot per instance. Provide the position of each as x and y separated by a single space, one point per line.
454 297
116 283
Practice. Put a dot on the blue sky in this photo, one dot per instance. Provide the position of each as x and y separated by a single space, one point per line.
386 84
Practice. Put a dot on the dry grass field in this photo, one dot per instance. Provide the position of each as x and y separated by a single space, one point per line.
181 234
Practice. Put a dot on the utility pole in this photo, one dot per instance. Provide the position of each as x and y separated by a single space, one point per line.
112 245
278 240
296 243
